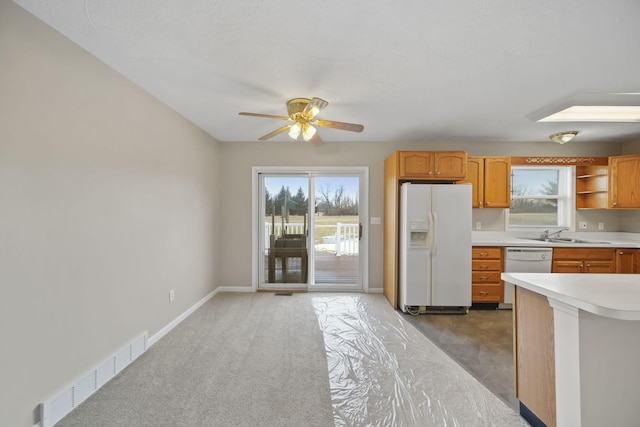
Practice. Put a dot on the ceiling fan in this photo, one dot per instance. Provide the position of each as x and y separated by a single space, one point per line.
302 112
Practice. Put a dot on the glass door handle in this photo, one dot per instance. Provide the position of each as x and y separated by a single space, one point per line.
360 231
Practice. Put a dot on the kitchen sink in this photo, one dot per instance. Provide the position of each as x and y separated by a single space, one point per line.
563 240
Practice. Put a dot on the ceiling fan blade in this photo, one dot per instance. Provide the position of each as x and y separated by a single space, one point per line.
314 107
268 116
275 132
316 140
352 127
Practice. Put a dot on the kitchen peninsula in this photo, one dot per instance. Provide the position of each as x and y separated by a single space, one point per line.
576 348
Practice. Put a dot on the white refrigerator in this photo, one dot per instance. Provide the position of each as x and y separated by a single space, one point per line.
435 247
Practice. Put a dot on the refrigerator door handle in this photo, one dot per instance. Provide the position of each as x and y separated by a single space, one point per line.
434 227
430 232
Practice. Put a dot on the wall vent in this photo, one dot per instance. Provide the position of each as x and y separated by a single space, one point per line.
54 409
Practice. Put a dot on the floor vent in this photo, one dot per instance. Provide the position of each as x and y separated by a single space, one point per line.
54 409
283 294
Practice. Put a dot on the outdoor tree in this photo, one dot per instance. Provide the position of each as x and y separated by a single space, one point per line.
299 205
336 202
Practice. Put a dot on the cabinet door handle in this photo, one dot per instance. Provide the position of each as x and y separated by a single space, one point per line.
486 203
580 266
621 253
588 265
615 203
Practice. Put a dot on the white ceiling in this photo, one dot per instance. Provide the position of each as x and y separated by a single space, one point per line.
414 70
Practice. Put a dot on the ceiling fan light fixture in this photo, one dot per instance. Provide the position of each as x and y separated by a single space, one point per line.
563 137
314 107
294 132
308 131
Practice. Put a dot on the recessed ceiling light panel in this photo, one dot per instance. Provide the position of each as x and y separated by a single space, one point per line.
592 108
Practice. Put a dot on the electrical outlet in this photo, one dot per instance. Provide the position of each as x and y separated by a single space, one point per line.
601 226
582 225
172 295
478 225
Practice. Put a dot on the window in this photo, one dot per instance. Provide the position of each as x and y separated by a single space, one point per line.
541 196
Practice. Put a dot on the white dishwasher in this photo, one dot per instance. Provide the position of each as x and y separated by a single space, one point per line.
524 260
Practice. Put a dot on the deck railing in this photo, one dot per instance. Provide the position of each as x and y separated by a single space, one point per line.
344 241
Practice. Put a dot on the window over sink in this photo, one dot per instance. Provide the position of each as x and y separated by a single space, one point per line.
541 197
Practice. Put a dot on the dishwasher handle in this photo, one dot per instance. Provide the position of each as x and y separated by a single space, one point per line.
528 254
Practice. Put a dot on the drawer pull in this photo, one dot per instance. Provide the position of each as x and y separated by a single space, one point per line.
484 267
484 293
484 253
484 277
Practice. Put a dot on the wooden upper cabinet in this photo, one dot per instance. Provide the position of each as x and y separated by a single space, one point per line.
450 164
475 176
490 178
624 182
497 182
433 165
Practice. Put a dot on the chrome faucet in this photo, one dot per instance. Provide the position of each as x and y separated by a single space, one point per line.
546 235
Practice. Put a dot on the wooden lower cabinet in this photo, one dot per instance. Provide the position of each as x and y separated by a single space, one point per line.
584 260
486 266
627 261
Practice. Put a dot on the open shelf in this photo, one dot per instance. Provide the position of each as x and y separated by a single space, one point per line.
592 187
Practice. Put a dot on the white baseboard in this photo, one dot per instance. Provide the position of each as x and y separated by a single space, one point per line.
175 322
54 409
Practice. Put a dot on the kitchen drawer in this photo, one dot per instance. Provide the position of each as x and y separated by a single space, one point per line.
486 265
584 253
485 277
486 253
486 293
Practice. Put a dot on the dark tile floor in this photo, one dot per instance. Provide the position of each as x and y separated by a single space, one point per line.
480 341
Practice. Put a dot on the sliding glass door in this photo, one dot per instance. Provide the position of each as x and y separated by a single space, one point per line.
310 230
336 231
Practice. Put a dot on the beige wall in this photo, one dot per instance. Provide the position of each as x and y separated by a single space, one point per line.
106 203
240 157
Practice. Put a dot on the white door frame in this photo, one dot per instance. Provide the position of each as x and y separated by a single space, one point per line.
363 212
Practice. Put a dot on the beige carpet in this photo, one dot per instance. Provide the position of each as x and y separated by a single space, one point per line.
309 359
240 360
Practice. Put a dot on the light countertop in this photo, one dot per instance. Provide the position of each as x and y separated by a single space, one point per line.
523 239
616 296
